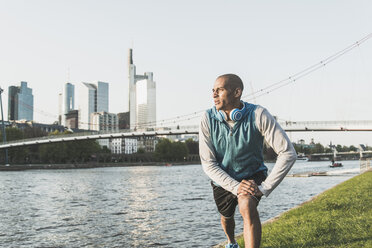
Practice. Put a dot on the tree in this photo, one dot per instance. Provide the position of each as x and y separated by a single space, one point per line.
72 151
192 146
352 148
141 150
318 148
163 149
179 151
16 154
167 150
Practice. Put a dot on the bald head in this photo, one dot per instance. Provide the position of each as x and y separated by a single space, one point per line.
232 81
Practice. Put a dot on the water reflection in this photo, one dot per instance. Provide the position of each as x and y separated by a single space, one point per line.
121 207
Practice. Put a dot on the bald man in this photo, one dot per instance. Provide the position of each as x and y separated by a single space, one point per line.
231 139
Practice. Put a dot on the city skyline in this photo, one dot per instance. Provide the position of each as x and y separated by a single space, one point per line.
188 47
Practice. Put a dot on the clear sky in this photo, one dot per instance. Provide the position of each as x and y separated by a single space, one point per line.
187 44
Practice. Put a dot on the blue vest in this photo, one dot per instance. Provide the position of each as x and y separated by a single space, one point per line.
239 149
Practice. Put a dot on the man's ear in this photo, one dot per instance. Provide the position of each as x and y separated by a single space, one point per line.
238 92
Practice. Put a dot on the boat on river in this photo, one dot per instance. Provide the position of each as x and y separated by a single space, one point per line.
333 165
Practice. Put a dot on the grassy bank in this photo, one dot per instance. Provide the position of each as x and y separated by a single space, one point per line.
339 217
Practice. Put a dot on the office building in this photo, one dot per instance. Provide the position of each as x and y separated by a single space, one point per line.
20 103
146 102
92 98
103 121
72 119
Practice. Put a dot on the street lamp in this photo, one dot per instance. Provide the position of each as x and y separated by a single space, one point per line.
3 128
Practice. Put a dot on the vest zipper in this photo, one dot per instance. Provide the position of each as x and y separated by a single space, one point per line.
231 131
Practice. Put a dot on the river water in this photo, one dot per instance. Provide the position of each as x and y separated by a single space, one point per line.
150 206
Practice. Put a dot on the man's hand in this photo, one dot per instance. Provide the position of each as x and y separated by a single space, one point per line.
249 188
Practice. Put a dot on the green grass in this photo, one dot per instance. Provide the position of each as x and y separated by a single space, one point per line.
339 217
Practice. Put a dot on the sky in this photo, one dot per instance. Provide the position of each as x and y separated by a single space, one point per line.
187 44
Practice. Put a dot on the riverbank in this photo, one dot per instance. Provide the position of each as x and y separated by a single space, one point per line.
338 217
20 167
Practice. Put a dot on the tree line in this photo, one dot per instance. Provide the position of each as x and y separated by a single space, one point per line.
63 152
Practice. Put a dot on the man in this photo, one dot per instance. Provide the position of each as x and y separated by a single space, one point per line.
231 139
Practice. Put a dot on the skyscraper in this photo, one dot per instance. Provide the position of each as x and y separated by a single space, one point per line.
66 102
146 102
142 99
20 103
102 96
92 98
68 98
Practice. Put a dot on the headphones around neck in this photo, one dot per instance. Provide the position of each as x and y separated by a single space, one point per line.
235 114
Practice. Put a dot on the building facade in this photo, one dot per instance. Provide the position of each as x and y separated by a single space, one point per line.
20 103
123 146
147 143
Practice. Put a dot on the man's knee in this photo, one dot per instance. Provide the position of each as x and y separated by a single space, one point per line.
227 219
247 206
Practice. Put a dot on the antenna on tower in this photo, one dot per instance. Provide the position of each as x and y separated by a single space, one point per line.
68 74
130 57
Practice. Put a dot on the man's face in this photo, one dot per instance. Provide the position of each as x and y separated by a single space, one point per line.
222 96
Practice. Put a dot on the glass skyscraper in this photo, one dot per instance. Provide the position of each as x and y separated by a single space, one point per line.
92 98
69 97
20 103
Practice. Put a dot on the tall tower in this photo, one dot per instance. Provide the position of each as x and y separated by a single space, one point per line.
147 112
132 91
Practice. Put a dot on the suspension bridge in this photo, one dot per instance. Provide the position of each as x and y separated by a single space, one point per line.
288 126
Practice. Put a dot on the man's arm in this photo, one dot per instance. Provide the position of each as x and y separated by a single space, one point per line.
209 162
279 141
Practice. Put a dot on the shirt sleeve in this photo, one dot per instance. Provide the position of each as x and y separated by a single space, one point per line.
275 136
209 162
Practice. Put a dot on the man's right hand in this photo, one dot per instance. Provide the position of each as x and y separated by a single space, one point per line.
248 187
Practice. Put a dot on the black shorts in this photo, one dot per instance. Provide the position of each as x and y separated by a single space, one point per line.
226 201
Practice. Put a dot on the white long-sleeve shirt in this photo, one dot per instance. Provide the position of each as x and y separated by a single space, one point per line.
274 136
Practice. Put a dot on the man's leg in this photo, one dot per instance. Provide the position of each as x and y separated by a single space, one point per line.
252 224
228 225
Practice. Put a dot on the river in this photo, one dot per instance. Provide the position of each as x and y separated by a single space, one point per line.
150 206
